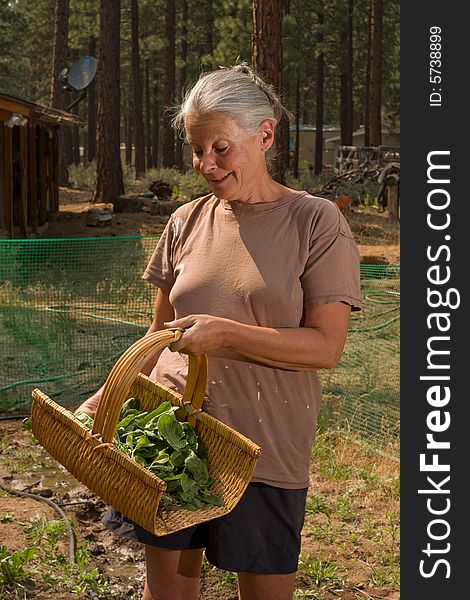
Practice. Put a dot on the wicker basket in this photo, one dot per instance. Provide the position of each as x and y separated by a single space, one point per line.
92 458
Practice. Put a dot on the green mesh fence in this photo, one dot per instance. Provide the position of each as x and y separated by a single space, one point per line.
363 392
70 307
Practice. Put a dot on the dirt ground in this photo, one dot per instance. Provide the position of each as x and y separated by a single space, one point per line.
378 238
355 529
350 544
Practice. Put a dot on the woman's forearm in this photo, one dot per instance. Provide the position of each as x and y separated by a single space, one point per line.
317 345
297 349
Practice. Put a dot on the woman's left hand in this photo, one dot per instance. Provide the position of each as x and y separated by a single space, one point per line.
203 333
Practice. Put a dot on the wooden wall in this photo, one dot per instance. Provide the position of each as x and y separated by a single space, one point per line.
29 185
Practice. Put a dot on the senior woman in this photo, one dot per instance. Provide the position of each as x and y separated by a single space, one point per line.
263 279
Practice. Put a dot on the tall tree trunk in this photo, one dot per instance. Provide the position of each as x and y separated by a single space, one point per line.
346 110
210 27
148 120
167 133
297 125
297 109
128 131
91 101
155 126
76 144
109 181
139 141
367 85
318 166
375 86
267 62
58 95
179 146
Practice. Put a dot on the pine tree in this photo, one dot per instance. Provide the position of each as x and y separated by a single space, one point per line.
139 140
109 181
267 61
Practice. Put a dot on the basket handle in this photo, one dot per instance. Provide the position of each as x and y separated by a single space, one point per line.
122 375
193 396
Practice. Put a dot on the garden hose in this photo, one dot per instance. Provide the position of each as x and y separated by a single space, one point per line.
395 299
79 310
13 417
56 507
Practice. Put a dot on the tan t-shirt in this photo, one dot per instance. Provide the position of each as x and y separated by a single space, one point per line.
259 264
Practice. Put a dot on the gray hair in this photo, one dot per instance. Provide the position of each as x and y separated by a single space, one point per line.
236 91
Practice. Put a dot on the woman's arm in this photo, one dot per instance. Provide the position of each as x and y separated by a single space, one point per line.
162 312
317 345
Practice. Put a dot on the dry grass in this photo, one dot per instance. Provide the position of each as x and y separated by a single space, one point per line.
350 542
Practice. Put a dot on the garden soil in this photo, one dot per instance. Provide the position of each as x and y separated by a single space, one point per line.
25 466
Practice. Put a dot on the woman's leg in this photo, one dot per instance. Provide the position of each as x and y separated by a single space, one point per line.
172 574
252 586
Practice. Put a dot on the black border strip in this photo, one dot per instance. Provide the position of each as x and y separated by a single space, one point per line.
435 209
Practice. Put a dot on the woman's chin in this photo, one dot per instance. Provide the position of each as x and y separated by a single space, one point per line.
222 186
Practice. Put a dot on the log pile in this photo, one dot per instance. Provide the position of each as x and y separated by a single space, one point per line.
355 177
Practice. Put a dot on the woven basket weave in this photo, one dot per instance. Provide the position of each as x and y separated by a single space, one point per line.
92 458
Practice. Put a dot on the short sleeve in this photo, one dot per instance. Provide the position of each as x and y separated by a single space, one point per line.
332 270
159 270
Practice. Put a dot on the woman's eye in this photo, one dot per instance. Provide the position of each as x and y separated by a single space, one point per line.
221 150
197 152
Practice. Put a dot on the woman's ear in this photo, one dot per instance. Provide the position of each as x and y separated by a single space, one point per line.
266 129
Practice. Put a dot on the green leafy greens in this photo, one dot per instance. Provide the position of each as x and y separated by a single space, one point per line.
170 449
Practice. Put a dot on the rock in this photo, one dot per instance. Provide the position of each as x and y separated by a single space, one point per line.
98 217
43 492
161 208
128 204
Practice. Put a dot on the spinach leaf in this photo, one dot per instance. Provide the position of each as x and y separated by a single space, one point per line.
198 469
172 431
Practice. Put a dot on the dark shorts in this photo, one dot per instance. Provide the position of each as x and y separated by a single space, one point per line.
260 535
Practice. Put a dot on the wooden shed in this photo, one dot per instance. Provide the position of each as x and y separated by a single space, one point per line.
29 165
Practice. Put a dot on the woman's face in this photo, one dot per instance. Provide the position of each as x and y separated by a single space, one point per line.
230 159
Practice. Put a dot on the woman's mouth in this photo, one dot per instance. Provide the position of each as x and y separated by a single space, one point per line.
218 181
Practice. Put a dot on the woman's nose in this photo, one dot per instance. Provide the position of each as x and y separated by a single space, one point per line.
207 163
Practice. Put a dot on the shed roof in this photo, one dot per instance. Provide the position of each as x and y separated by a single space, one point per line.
36 112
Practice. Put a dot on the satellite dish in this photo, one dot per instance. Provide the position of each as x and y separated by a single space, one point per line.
82 73
78 77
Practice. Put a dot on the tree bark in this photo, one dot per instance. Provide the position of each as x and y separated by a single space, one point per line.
267 61
375 86
367 84
58 95
148 119
109 181
91 101
139 141
318 165
155 126
167 133
346 45
297 126
179 159
128 139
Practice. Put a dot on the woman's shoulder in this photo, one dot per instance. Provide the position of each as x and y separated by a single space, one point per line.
317 206
315 203
195 206
322 215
